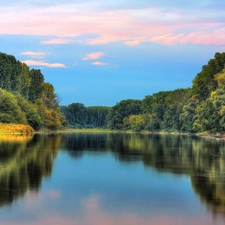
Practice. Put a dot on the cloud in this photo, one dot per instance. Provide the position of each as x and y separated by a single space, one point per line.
117 22
95 55
92 212
57 41
132 43
99 64
44 64
34 54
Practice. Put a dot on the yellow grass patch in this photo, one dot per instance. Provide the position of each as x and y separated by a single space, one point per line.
15 129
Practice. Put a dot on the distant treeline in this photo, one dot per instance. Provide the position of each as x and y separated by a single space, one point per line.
25 98
196 109
79 116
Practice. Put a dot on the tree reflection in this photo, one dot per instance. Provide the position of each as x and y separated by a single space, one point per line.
24 162
203 160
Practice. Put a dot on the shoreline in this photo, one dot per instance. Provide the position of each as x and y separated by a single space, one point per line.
21 129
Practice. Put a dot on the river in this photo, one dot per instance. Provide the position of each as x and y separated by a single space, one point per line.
111 179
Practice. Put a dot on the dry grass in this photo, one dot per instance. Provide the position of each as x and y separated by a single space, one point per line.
15 129
90 130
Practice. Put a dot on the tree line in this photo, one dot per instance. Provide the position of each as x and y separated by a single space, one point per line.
79 116
25 97
196 109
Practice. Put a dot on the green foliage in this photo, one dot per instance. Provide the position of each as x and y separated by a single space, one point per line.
35 103
204 82
10 112
25 80
187 117
207 117
136 122
78 116
122 110
210 114
155 105
36 87
31 112
97 116
174 104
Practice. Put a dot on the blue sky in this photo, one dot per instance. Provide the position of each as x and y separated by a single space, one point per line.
101 52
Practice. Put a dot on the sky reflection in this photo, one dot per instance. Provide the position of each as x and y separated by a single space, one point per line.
97 187
91 212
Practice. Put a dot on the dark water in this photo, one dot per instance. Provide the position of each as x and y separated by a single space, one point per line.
111 179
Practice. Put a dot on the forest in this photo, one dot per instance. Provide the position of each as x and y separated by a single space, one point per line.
25 98
190 110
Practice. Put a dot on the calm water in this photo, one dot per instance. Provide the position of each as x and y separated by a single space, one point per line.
111 179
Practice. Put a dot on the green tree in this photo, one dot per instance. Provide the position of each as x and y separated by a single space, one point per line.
187 117
122 110
204 82
10 112
36 86
174 104
25 80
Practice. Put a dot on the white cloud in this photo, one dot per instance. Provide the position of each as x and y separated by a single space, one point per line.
57 41
44 64
34 54
99 64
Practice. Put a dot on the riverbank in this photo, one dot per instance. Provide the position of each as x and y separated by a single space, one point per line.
205 134
90 130
15 129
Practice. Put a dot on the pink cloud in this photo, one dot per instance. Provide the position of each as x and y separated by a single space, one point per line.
44 64
57 41
94 55
99 64
113 25
91 212
34 54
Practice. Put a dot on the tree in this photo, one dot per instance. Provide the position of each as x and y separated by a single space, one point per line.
155 106
204 82
10 112
187 117
36 86
174 104
136 122
25 80
122 110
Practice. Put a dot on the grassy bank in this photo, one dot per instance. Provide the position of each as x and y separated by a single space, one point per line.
16 129
94 130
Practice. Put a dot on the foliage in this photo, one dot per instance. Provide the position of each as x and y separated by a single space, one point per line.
28 100
122 110
174 103
78 116
10 112
204 82
187 117
136 122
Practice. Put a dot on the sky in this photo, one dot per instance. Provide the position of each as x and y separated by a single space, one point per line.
99 52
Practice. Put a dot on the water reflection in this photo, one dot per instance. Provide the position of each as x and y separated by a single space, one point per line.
24 161
203 160
90 191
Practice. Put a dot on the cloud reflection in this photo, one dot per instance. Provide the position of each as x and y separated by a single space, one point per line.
91 213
